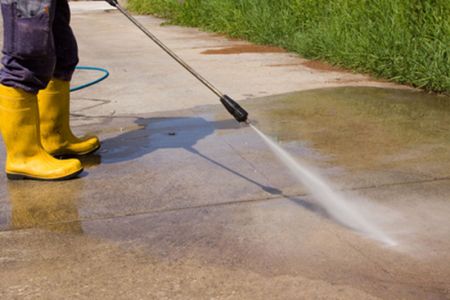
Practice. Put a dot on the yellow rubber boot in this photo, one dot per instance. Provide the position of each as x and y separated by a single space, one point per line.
54 110
25 157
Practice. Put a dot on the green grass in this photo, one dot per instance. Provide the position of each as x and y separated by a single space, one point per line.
407 41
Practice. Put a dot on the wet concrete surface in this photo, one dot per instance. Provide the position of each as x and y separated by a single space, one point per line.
366 130
189 204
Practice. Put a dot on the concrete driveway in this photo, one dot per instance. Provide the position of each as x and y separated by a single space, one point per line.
182 202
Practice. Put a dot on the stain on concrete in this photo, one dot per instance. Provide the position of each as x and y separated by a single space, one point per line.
247 48
323 66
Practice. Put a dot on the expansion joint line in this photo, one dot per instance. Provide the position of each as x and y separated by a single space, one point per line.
276 197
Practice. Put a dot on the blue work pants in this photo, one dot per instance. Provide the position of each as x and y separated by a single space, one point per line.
38 43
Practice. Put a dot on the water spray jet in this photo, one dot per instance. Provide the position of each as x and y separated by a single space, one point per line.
334 203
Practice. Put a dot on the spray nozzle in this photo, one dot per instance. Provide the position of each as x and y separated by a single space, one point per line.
234 109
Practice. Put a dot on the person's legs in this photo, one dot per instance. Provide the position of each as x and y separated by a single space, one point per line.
66 48
29 55
29 62
54 102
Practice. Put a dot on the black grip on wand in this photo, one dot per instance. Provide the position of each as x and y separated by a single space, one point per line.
240 114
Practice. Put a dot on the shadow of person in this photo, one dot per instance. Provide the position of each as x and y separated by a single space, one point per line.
45 205
153 134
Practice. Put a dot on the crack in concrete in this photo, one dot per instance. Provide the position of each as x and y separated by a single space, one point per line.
102 102
376 186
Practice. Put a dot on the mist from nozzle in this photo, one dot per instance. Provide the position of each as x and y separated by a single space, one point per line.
335 203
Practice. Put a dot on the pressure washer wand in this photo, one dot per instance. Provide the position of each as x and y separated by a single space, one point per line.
232 106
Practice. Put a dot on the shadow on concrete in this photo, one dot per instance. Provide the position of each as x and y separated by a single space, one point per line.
167 133
151 134
184 132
